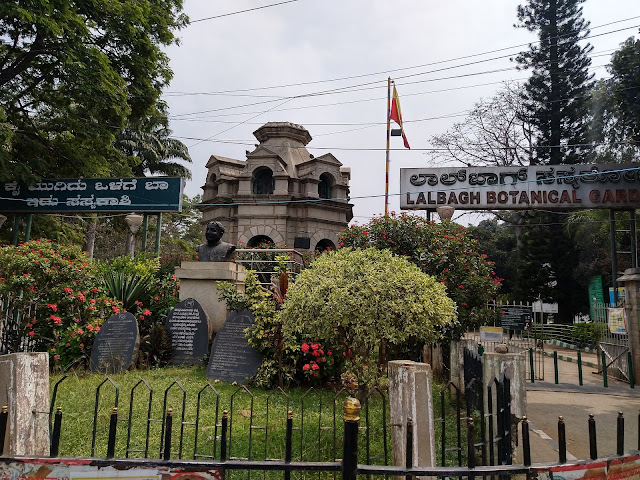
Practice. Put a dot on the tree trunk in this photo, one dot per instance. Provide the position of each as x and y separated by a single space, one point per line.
90 235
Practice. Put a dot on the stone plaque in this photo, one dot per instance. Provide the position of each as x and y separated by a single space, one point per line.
188 329
232 358
116 345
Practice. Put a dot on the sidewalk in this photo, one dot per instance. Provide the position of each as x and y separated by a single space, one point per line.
546 401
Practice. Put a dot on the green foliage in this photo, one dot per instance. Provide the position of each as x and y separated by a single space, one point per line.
625 88
360 298
556 98
127 287
55 290
445 251
72 73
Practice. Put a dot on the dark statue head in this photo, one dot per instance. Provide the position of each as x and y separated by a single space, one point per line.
214 232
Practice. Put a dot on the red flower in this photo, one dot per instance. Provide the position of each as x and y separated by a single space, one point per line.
146 313
56 357
314 366
315 353
304 347
52 306
305 367
67 290
315 346
32 333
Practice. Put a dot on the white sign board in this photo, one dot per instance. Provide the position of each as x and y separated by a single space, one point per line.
491 334
521 188
540 307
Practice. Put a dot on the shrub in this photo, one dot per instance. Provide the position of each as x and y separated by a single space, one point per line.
358 299
54 292
443 250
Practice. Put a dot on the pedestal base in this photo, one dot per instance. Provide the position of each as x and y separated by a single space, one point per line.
198 281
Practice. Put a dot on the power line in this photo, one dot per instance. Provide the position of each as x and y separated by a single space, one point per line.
386 72
241 11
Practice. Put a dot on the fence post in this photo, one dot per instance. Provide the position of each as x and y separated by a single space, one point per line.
3 426
579 368
351 409
531 365
223 436
168 426
620 434
526 445
632 380
593 447
562 441
555 366
288 441
113 425
55 437
471 440
604 369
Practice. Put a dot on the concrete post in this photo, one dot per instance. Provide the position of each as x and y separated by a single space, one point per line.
24 388
631 281
410 396
512 365
457 362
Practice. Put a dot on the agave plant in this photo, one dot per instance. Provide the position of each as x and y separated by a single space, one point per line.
127 287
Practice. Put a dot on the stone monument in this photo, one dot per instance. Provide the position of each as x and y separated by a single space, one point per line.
198 279
188 329
115 348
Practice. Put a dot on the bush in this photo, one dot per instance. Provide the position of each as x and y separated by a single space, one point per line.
55 291
443 250
356 300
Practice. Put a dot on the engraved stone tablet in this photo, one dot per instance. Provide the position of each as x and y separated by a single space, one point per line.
232 358
188 329
116 345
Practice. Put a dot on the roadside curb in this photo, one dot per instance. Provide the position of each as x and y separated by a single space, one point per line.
566 358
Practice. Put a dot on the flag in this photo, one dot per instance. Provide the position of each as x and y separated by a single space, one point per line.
396 115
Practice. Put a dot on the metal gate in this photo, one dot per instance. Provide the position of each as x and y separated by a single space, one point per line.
613 343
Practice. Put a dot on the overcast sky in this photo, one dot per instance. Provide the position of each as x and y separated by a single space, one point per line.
236 72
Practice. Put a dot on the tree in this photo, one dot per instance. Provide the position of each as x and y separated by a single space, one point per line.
445 251
625 87
556 94
496 132
71 73
360 298
150 148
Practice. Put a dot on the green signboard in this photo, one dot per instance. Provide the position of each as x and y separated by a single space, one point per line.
596 295
142 195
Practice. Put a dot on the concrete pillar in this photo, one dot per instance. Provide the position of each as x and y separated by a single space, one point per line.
512 365
456 358
24 388
198 281
631 281
410 396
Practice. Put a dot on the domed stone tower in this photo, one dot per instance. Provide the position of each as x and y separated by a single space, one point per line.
280 193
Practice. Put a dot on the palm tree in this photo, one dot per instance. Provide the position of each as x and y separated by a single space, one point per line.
151 149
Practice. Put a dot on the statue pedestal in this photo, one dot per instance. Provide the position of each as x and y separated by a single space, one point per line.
198 281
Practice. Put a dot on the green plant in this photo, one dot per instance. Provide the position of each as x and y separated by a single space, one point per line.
55 299
361 299
445 251
127 287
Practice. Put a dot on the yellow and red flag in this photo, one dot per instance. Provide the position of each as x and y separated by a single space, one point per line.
396 115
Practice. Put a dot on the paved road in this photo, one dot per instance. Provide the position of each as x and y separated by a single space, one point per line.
547 400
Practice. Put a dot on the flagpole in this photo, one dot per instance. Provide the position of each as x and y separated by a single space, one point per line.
386 178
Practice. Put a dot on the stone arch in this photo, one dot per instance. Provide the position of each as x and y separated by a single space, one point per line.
262 181
321 235
260 230
325 187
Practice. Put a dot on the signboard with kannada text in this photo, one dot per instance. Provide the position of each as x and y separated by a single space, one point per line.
617 321
524 188
491 334
141 194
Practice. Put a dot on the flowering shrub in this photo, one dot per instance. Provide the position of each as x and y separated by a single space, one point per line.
54 290
443 250
359 299
318 364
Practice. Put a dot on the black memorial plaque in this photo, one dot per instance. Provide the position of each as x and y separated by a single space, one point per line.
515 318
116 345
188 329
232 358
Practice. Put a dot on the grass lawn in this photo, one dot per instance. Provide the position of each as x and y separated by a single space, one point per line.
257 418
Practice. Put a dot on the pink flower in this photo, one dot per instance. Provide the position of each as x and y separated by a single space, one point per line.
315 366
52 306
305 347
67 290
305 367
146 313
32 333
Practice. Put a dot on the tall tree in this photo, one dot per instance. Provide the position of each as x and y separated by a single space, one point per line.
625 86
71 74
556 95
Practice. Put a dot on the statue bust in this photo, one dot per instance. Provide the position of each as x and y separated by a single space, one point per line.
215 250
